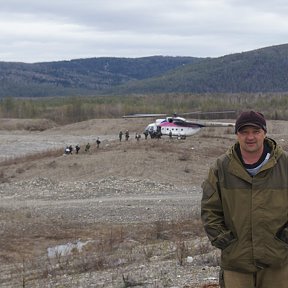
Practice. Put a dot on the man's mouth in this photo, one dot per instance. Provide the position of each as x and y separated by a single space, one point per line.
250 143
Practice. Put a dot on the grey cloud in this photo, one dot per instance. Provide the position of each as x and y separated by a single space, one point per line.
66 29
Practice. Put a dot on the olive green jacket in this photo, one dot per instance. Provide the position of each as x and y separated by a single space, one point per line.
247 217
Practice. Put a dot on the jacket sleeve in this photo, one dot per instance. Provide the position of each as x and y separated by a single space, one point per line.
212 212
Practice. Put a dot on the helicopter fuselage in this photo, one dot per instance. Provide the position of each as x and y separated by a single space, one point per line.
174 126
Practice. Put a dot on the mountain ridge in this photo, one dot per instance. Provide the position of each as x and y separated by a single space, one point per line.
261 70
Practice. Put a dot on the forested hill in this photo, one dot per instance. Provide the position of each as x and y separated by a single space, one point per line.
261 70
90 76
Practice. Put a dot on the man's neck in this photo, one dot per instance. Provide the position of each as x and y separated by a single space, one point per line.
253 157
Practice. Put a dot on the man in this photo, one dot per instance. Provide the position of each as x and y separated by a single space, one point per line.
244 208
87 147
126 135
146 133
98 142
120 136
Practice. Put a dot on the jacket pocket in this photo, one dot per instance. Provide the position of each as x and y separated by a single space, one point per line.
282 235
224 240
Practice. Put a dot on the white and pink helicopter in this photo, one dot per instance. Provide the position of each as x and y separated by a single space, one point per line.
178 126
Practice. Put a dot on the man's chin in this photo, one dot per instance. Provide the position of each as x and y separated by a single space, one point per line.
251 148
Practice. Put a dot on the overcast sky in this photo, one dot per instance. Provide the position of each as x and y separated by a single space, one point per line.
39 30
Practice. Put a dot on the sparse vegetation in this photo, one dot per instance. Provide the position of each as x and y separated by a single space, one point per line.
75 109
30 157
126 244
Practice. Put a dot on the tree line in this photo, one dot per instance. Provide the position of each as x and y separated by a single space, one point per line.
75 109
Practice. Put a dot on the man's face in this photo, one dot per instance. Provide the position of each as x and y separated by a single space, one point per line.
251 139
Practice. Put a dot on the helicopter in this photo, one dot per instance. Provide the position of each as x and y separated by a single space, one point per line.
178 126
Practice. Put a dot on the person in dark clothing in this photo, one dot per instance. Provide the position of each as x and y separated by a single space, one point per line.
98 142
67 150
120 136
137 136
146 133
87 148
127 135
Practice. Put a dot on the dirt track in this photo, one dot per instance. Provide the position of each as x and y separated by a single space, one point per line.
61 198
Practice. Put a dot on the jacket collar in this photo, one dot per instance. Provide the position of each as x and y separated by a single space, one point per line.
236 168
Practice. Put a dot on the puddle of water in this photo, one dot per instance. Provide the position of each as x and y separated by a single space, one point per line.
66 249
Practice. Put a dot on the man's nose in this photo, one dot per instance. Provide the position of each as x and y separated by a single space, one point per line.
250 135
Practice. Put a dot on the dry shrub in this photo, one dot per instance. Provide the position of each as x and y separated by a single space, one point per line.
26 124
3 178
110 246
181 252
184 155
32 157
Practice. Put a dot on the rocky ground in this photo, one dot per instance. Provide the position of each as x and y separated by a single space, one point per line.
123 215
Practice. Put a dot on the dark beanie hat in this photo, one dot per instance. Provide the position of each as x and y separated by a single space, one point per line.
250 118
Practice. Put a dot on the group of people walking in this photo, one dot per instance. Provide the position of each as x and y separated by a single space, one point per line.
137 135
69 149
126 134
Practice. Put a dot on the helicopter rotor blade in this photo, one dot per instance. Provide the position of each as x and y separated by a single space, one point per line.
147 115
203 113
218 124
211 112
143 115
186 113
